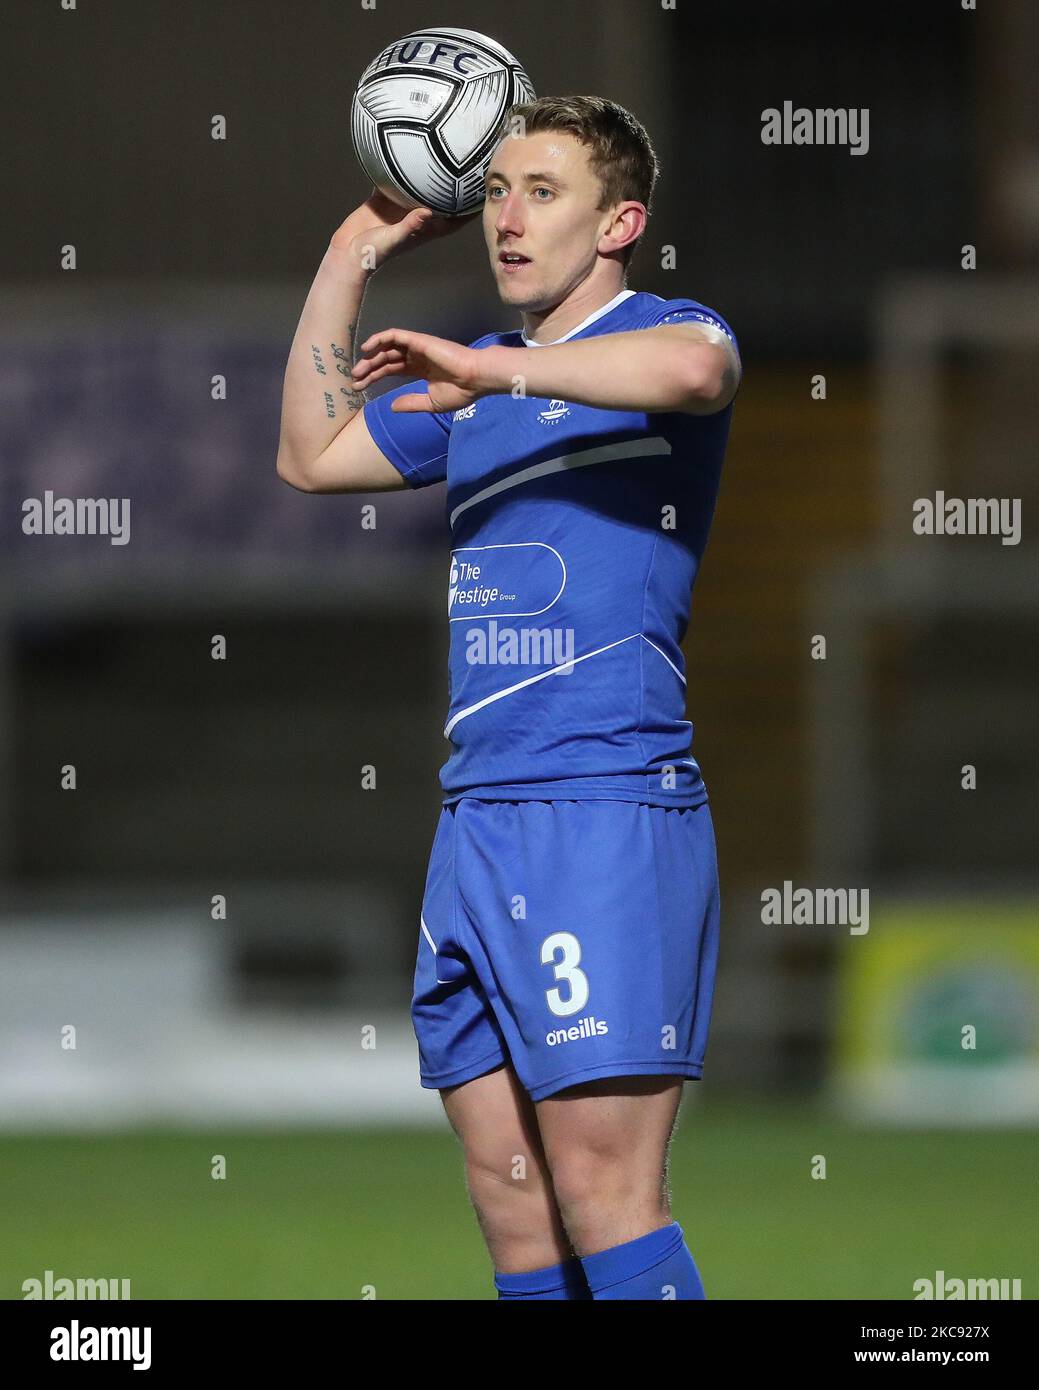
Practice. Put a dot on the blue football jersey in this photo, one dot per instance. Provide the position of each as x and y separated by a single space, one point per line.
576 537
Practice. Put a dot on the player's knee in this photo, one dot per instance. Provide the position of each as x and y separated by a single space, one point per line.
593 1180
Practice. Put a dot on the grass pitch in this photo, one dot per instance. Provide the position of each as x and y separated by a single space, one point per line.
327 1214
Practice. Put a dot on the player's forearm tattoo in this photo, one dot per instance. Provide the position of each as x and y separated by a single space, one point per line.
344 356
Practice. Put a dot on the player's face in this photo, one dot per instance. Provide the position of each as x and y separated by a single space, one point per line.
541 208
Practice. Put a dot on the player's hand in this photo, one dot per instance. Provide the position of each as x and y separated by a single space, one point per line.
457 375
380 229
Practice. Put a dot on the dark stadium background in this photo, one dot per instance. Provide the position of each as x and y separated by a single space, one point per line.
250 1036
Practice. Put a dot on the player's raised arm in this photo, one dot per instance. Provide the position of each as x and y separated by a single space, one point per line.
325 445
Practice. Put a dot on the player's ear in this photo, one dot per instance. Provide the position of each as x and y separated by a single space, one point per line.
627 222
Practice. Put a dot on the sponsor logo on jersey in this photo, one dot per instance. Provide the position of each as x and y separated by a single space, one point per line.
557 410
466 413
517 579
587 1028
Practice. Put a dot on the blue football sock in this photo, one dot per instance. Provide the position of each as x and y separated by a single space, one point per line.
657 1266
565 1281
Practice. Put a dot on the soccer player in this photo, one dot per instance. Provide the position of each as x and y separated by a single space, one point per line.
569 931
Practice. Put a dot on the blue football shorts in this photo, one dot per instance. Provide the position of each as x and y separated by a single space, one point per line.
572 939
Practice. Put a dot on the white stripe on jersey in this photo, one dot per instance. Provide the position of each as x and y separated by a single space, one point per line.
542 675
666 658
604 453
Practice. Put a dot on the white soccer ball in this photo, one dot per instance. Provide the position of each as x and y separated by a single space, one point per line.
426 115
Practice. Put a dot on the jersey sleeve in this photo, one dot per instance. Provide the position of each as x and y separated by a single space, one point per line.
416 442
688 311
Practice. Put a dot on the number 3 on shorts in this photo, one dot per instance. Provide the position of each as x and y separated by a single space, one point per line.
565 969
